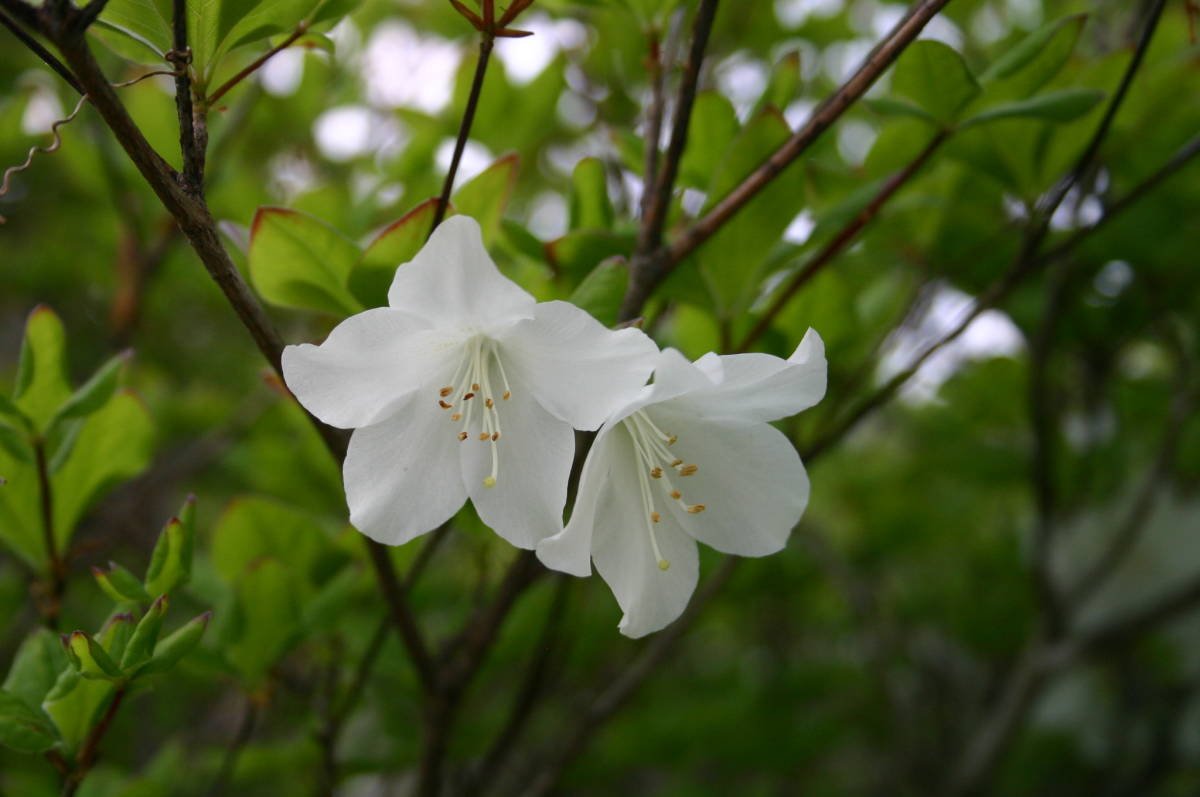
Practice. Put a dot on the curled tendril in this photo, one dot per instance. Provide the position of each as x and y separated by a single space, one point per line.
54 145
57 142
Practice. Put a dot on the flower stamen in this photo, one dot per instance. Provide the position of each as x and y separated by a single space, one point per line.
471 379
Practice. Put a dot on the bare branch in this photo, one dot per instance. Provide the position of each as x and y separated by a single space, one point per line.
464 128
191 153
37 49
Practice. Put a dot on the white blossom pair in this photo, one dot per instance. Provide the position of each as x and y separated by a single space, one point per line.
465 386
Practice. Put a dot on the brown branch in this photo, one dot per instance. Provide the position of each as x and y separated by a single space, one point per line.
841 240
300 29
610 700
37 49
91 745
828 112
241 738
464 128
654 113
654 216
1000 289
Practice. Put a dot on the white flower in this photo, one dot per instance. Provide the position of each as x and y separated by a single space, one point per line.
692 458
464 386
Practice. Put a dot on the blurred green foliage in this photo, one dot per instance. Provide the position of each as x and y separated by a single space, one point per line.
859 660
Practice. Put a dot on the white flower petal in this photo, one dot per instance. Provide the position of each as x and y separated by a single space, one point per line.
534 452
570 551
760 386
750 481
650 597
402 475
580 370
675 375
368 362
453 281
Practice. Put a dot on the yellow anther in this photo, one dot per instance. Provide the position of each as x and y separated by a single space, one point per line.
475 386
484 436
495 436
688 470
468 396
672 439
677 463
663 564
676 494
456 416
657 518
446 391
489 481
656 473
488 403
462 435
507 395
444 405
696 509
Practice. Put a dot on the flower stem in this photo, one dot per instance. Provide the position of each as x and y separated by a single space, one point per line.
464 129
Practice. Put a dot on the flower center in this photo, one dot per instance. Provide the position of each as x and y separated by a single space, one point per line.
654 460
471 387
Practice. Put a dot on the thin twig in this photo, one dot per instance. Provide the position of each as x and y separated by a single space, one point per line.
91 745
654 114
1001 288
245 730
464 128
654 216
255 65
41 52
53 147
840 241
828 112
625 686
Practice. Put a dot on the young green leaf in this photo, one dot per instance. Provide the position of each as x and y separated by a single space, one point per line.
171 561
145 636
397 243
485 196
589 203
94 393
42 384
22 728
299 261
601 291
1062 106
120 585
90 658
36 666
935 77
174 647
712 128
115 635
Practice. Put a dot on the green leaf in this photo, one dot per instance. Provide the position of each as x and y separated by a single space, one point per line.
1062 106
22 728
171 562
90 658
254 528
42 384
935 77
486 195
36 666
267 618
577 253
172 648
783 85
74 704
299 261
144 24
145 636
94 393
890 106
732 261
15 444
589 203
710 132
120 585
1038 57
114 445
602 290
398 243
115 635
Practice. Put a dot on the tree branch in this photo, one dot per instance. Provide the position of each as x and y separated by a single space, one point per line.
841 240
464 128
654 114
57 576
828 112
180 57
37 49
